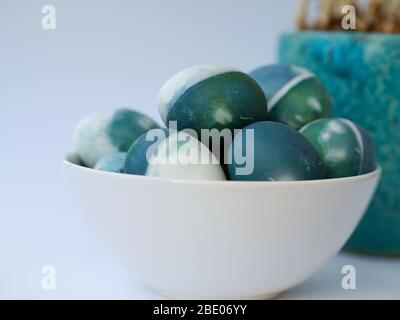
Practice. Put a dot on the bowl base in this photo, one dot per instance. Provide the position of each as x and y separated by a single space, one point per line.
177 296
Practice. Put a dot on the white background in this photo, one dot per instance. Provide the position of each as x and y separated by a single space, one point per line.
106 54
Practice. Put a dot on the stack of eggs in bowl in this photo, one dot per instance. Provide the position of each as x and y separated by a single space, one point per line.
246 192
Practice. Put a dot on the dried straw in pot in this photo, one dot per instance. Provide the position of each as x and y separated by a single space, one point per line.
371 15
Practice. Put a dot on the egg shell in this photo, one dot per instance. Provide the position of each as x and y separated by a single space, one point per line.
166 154
280 154
108 132
136 159
345 148
112 162
295 95
212 96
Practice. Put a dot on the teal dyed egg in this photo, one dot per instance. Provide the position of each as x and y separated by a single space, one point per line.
272 151
136 159
172 154
345 148
295 95
209 96
109 132
112 162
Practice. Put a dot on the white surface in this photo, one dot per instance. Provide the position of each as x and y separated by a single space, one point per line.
376 278
220 239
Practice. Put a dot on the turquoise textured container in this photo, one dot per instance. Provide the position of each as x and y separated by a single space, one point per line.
362 73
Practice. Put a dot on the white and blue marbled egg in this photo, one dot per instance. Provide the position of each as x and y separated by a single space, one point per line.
295 95
108 132
212 96
345 148
112 162
172 154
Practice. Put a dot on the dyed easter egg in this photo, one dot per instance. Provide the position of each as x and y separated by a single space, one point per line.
172 154
345 148
136 159
272 151
109 132
112 162
210 96
295 95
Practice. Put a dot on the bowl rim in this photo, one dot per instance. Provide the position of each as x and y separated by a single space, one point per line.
223 183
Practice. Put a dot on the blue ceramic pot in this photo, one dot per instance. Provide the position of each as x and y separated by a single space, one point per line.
362 73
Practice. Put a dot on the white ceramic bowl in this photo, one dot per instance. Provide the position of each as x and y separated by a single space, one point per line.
224 239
